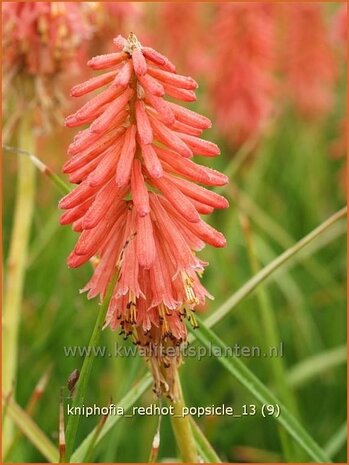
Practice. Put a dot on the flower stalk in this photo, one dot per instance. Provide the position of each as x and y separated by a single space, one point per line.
16 265
182 428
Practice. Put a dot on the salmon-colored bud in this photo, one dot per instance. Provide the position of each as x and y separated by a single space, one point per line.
123 169
177 198
78 175
190 117
120 42
139 190
179 94
158 59
169 137
92 84
186 129
152 85
105 169
139 63
105 198
200 146
202 208
144 129
97 102
152 161
106 61
95 149
74 260
184 82
185 167
199 193
145 242
75 213
162 107
103 122
124 75
78 195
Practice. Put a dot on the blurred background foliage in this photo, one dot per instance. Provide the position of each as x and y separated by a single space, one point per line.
289 179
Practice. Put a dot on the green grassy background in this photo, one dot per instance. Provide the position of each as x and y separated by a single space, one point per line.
294 180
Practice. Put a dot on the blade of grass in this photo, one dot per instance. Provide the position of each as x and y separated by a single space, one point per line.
126 402
42 167
207 452
280 236
241 155
337 441
304 323
276 264
316 365
81 385
43 238
32 431
272 339
88 456
30 407
16 267
260 392
61 432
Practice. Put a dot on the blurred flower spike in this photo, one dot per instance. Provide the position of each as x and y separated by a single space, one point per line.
138 204
41 40
245 62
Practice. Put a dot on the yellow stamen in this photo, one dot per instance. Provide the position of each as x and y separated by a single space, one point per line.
189 290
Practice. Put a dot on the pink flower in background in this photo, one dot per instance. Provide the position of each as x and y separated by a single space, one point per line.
42 38
242 85
41 41
108 16
338 148
138 203
307 59
341 23
181 32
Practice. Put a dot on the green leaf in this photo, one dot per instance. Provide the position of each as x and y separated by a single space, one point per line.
32 431
206 450
276 264
236 368
313 366
126 402
81 386
337 441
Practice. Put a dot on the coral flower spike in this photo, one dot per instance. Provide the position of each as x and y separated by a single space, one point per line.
137 205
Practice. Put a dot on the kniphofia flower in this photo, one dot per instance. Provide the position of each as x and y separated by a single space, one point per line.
180 29
340 24
41 40
307 58
137 205
242 88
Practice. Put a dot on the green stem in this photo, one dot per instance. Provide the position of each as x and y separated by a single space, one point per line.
16 266
182 429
